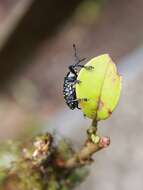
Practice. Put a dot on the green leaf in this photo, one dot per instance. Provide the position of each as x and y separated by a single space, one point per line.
101 86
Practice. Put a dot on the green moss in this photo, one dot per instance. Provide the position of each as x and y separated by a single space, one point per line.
33 165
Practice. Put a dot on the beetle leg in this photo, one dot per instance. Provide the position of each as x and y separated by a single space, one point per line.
80 100
86 67
78 108
77 81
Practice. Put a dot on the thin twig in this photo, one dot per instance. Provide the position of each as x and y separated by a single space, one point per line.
83 157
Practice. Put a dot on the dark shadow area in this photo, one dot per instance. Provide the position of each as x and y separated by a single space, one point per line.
41 21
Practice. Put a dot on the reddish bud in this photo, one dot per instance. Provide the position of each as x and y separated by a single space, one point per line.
104 142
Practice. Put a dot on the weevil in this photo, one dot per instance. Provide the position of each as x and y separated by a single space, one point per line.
70 81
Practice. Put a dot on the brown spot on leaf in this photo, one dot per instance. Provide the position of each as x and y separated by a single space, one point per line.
109 112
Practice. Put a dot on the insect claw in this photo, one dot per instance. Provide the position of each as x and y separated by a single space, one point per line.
82 99
85 99
88 67
78 81
85 67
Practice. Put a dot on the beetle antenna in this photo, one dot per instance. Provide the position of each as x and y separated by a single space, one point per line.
77 59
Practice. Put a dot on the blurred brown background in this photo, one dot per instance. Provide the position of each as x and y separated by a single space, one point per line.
36 40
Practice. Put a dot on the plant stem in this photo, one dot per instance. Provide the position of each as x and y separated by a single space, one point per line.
91 146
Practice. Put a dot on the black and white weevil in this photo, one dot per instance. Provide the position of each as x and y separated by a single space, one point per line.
70 81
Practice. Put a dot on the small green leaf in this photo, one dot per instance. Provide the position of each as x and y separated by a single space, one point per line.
101 86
